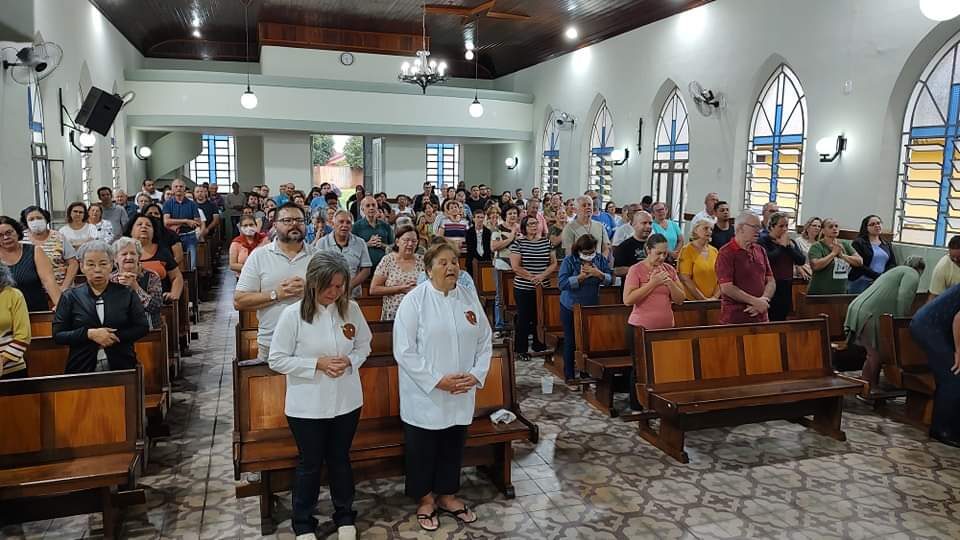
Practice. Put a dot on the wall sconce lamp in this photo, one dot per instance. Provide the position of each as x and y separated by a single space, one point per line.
619 157
142 152
830 148
511 162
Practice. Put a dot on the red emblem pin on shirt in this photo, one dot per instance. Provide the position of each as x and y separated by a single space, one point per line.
349 331
472 318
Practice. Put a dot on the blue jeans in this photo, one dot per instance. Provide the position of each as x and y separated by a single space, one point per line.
189 241
497 303
323 441
569 338
946 398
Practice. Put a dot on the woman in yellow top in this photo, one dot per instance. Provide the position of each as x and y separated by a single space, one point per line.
697 264
14 328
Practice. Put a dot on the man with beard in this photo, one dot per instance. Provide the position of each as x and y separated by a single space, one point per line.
273 276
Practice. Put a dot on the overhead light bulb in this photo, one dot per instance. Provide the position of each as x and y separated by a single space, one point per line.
468 55
469 45
572 33
249 100
442 68
476 108
940 10
196 33
405 68
87 139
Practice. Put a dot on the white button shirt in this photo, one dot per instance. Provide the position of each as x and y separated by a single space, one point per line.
263 271
436 335
294 351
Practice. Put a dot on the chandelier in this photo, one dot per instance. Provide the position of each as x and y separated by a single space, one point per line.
423 71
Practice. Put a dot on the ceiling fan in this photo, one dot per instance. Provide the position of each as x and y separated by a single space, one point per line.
483 10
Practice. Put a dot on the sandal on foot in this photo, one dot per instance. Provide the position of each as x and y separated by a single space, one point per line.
428 517
459 513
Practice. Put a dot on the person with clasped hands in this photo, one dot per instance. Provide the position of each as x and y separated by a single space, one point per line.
442 342
320 343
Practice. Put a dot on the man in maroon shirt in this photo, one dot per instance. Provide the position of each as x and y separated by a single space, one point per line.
746 280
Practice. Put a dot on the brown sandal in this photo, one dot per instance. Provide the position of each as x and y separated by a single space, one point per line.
428 517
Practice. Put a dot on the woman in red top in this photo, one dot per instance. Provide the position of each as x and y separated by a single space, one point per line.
243 245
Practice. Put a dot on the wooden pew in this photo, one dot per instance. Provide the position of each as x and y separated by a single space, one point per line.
550 326
41 323
45 358
834 306
797 289
713 376
905 365
263 443
509 300
247 339
371 306
483 278
71 445
170 315
603 343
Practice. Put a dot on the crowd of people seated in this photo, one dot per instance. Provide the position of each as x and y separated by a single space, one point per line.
300 257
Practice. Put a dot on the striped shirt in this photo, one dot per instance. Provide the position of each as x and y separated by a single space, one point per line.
534 257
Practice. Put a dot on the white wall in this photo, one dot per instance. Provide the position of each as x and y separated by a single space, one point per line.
286 158
477 164
14 147
405 164
249 161
733 46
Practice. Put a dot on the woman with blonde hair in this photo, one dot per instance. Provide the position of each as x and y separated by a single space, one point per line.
697 266
809 235
320 343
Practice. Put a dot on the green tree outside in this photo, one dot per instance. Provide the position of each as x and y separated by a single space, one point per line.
321 148
353 151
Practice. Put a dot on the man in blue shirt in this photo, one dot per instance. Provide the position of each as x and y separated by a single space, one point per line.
283 197
320 202
377 233
182 216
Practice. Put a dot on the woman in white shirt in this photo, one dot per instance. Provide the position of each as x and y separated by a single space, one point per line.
442 343
77 231
104 228
320 343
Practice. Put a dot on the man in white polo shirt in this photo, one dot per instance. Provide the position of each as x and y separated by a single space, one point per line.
273 275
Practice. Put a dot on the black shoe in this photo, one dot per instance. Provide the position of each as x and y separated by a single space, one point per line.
948 439
539 347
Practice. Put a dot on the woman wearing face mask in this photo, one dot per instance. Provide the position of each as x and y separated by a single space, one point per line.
144 283
651 287
248 240
29 266
99 320
581 275
63 258
104 228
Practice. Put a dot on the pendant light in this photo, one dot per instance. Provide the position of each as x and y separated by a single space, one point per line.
248 100
476 108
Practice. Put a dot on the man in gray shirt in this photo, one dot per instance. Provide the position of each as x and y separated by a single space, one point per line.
351 246
113 213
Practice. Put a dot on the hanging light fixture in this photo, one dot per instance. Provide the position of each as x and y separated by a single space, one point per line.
476 108
423 72
248 100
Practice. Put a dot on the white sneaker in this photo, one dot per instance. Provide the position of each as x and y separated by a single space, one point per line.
307 536
347 532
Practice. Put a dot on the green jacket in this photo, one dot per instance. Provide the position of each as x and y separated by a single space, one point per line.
893 292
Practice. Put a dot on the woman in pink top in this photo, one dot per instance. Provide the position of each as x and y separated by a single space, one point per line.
652 286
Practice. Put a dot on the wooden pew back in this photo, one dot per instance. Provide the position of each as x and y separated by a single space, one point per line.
730 355
899 353
248 319
548 309
484 279
509 301
41 323
696 313
834 306
62 417
45 357
151 353
371 306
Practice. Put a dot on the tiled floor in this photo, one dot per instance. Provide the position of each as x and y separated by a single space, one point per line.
589 477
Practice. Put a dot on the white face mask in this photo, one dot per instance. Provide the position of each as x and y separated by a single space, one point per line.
248 230
587 258
37 225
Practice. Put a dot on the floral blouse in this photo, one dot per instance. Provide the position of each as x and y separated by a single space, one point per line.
390 268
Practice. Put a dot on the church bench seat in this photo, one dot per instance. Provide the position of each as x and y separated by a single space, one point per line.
71 445
41 323
905 366
714 376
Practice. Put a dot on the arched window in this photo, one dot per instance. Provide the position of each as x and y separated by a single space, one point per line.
778 133
672 158
928 190
550 164
601 145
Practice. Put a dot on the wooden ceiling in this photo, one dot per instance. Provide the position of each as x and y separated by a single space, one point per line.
163 28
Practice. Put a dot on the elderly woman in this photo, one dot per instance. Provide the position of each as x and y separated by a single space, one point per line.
877 255
697 265
320 343
533 263
442 343
63 257
29 266
14 327
146 284
396 275
831 260
581 275
104 229
99 320
77 231
784 255
249 239
156 257
143 200
893 292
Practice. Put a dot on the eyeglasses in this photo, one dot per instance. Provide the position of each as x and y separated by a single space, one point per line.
292 221
8 234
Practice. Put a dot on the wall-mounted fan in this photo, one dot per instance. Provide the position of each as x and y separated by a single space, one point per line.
32 63
706 100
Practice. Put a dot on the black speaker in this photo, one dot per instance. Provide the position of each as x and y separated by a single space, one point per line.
99 110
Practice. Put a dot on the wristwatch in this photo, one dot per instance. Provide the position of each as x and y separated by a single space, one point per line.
273 295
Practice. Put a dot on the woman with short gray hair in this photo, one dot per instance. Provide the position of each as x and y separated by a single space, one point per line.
320 343
99 320
144 283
